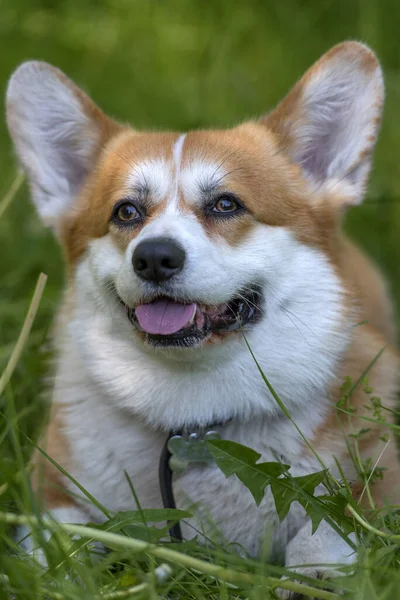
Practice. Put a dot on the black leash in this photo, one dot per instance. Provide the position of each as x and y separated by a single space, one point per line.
188 447
167 493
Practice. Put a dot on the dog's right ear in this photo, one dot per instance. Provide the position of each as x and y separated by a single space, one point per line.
58 133
329 122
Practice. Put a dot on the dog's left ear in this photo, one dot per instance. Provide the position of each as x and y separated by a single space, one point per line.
329 122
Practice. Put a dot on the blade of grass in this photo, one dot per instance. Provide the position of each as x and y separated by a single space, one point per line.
80 487
284 409
321 462
25 331
368 527
366 486
184 560
135 497
12 192
365 373
132 591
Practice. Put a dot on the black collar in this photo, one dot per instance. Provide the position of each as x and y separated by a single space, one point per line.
182 448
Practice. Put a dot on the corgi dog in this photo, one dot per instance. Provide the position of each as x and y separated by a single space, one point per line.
181 249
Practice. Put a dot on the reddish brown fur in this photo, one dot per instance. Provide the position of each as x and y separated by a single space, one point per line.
47 481
271 199
107 185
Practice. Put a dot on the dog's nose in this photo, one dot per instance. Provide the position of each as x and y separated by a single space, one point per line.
158 259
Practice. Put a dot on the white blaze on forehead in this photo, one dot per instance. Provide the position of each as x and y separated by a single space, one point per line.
163 179
177 151
200 176
154 175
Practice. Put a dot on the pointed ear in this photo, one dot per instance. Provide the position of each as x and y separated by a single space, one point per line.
58 133
329 122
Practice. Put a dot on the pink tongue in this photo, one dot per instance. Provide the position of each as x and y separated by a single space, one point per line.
164 317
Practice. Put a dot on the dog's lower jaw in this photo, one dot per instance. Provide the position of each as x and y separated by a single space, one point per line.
208 324
297 349
172 388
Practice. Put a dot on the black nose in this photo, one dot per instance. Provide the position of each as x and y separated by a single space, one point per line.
158 259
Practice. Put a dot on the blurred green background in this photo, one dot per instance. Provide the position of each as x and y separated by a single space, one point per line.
182 64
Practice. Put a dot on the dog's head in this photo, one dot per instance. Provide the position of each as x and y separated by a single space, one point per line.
195 237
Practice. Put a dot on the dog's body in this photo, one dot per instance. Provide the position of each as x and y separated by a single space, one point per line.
247 222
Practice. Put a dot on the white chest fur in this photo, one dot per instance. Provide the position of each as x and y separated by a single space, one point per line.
107 442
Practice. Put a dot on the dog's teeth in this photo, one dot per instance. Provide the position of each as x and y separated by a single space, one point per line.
191 320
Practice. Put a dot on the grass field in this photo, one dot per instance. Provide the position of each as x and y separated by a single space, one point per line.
172 64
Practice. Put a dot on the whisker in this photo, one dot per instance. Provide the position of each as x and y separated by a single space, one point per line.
221 164
127 161
217 183
287 311
294 324
247 301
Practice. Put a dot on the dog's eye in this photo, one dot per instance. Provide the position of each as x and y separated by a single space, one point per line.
126 212
226 204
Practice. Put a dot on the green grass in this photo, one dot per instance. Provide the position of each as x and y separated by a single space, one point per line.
171 64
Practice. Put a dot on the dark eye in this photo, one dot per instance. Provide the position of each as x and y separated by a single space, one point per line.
226 204
126 212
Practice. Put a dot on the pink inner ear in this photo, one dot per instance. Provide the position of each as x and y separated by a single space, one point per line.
164 317
329 122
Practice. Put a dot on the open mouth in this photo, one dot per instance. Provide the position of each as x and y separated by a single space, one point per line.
166 322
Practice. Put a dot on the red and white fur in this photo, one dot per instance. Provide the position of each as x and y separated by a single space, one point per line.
116 397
